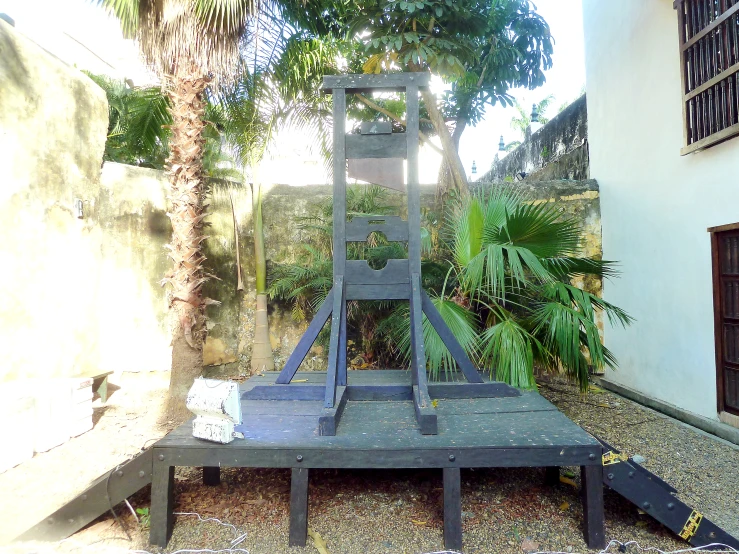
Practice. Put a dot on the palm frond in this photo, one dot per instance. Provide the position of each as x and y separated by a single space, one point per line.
460 321
508 350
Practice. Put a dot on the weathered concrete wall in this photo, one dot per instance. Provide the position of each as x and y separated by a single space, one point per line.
53 122
558 150
657 204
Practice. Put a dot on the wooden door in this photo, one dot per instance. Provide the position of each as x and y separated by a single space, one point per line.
725 246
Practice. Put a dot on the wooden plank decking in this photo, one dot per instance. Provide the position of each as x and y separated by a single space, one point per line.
524 431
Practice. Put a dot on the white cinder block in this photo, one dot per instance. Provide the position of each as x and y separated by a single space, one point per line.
215 399
16 406
53 403
82 425
216 429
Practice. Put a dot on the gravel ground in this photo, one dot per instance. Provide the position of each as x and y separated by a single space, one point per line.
504 510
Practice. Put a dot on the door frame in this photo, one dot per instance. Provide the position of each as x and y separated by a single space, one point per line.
718 326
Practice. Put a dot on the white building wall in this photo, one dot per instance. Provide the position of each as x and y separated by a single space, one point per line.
655 204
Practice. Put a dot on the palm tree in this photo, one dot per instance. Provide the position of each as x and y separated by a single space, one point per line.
191 44
508 296
521 122
279 90
137 117
138 129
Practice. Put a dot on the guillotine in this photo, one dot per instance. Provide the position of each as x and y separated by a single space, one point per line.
400 279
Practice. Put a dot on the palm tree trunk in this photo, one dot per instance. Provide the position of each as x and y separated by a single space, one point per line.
262 358
185 169
450 152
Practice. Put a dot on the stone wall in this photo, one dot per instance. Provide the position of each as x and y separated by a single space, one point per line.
557 150
53 122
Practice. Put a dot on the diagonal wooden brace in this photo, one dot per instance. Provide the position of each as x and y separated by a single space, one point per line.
306 341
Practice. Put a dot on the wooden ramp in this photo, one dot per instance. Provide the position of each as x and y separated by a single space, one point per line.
106 491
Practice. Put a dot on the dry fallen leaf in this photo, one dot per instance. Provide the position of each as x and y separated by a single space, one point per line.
564 506
318 541
527 545
567 481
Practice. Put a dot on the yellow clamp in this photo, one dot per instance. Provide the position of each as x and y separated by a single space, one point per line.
610 458
691 526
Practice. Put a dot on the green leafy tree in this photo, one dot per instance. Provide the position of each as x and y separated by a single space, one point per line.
136 120
481 48
138 129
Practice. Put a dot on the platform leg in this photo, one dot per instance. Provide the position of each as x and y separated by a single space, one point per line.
551 475
452 509
162 502
211 476
592 497
299 506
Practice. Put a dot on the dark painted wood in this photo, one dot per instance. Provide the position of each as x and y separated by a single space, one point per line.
375 146
450 341
393 227
285 392
342 364
162 498
551 475
111 487
379 457
593 515
339 190
472 390
377 292
452 509
211 476
718 323
333 349
425 412
358 272
306 341
658 499
329 419
375 127
298 506
386 82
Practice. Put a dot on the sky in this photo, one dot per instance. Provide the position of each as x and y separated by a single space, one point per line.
565 80
80 32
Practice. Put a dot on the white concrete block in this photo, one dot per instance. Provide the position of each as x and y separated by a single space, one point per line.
216 429
53 403
80 426
16 406
215 399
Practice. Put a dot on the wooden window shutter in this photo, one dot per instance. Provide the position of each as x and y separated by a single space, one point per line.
709 63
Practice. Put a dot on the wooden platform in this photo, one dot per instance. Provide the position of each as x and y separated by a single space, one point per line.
522 431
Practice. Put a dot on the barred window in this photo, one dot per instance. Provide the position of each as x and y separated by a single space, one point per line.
709 53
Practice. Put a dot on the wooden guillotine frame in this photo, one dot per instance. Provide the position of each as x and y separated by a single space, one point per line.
400 279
